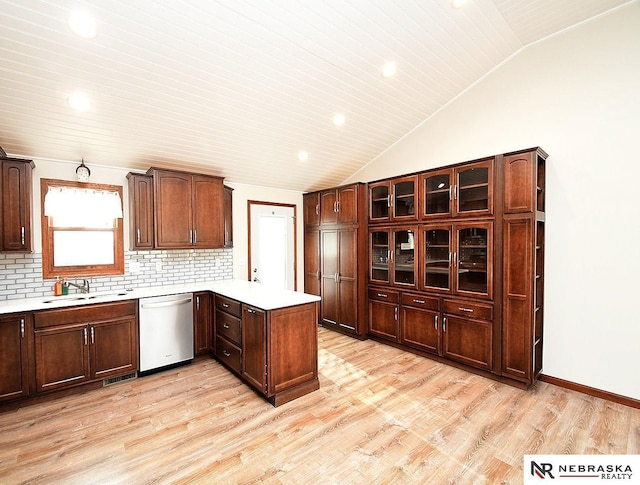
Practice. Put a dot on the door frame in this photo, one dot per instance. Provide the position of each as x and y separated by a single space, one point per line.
295 236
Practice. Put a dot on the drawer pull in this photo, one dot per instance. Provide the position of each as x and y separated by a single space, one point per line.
225 305
225 325
226 353
419 301
435 322
468 310
382 295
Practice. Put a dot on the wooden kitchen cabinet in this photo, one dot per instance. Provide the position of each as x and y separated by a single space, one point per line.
336 256
254 347
15 206
228 217
15 349
188 210
393 256
228 336
394 200
77 345
140 211
420 322
384 314
202 323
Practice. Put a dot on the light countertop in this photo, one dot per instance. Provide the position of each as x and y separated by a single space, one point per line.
254 294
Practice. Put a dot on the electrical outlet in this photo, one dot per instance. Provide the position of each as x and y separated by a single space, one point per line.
218 262
158 265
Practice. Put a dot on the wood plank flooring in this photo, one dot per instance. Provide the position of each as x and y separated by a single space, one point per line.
381 416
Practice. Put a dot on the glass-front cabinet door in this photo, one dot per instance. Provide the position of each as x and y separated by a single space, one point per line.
473 193
404 263
380 202
437 188
404 198
380 255
437 258
473 259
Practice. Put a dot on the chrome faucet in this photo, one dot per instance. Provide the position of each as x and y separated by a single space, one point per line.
84 287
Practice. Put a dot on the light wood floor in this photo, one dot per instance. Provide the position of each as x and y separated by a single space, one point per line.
381 416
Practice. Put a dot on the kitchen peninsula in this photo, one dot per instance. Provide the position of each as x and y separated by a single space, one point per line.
267 337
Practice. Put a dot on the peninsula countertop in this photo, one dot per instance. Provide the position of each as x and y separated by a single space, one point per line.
254 294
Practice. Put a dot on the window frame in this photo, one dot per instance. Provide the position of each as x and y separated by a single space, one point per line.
49 270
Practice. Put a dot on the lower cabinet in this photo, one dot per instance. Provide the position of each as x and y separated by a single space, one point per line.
274 351
202 323
83 344
456 329
14 348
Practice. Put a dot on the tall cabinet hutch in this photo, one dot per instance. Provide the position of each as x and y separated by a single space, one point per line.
456 264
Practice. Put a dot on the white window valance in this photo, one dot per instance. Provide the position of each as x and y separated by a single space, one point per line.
79 207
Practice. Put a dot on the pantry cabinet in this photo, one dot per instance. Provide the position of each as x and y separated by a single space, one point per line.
15 349
15 205
82 344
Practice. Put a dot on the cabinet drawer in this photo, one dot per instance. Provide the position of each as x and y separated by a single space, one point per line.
85 314
228 327
420 301
384 295
229 354
464 308
228 305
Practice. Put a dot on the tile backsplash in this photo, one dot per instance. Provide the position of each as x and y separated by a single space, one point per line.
22 273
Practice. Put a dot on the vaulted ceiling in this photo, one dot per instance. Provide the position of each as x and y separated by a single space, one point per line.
238 88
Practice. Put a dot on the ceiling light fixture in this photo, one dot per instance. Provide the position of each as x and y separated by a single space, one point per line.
82 24
79 101
458 3
303 156
389 69
338 119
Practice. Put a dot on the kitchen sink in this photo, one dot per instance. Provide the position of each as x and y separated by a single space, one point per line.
86 296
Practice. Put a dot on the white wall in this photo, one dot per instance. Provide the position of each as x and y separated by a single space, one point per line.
241 195
577 95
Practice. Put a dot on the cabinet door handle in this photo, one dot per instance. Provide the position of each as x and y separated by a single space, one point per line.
22 235
455 192
190 236
138 235
382 295
195 236
338 206
435 322
395 313
444 324
450 192
226 353
225 305
468 310
22 327
418 301
226 325
198 303
317 209
338 278
85 336
389 200
318 275
455 259
93 336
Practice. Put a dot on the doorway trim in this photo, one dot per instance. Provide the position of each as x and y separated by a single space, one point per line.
295 236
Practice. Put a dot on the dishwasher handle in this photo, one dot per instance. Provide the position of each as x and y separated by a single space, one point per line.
166 303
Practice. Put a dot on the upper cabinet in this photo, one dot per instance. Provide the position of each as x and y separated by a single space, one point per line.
339 206
524 178
181 210
311 208
228 217
466 190
15 184
394 200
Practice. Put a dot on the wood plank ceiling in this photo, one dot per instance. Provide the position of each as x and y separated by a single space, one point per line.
239 87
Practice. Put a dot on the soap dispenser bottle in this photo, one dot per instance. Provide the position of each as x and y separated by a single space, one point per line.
57 287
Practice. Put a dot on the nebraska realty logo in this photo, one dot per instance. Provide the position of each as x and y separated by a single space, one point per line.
578 469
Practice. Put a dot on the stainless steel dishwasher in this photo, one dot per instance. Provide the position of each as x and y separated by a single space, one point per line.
166 330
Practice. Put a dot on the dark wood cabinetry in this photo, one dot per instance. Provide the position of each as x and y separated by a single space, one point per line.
15 205
15 352
275 351
178 210
82 344
466 282
202 323
140 211
336 255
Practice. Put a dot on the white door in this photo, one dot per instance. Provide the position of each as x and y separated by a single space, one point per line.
272 254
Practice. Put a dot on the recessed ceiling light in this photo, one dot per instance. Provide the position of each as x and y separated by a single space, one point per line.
79 101
389 69
303 156
458 3
82 24
338 119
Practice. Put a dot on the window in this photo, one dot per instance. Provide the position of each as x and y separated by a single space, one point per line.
81 229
